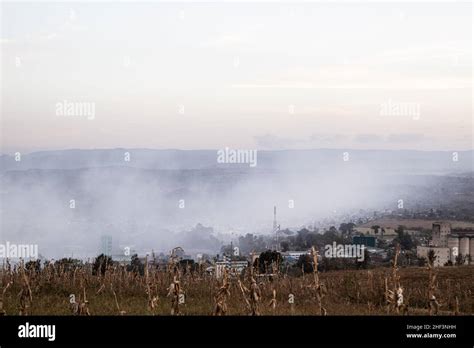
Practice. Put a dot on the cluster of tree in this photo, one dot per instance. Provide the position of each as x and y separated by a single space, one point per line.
431 257
301 240
33 265
136 265
405 240
64 264
306 264
188 265
268 262
251 243
305 239
101 263
459 260
346 228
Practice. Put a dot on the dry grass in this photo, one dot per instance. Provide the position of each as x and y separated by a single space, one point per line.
351 292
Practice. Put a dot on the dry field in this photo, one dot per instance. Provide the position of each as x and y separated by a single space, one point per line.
52 291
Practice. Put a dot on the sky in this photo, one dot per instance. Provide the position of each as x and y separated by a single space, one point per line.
252 75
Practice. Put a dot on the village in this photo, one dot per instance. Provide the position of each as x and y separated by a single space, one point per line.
349 246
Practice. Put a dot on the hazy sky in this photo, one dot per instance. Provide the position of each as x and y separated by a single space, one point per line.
243 75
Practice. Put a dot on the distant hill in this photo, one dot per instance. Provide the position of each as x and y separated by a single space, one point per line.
146 202
399 162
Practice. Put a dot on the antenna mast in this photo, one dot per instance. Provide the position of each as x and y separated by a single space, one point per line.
276 228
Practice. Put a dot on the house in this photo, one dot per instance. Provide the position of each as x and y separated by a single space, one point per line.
367 231
364 240
384 233
233 268
293 256
377 254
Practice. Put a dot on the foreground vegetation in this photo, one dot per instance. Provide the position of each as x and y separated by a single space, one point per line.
116 290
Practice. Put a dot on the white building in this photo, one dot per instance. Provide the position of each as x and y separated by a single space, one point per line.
234 268
455 241
442 255
106 245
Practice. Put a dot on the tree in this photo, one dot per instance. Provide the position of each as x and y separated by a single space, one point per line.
364 264
400 230
431 257
285 246
101 263
68 264
33 265
382 244
346 228
460 259
404 239
268 261
136 266
305 263
421 261
302 239
250 243
187 264
328 238
376 228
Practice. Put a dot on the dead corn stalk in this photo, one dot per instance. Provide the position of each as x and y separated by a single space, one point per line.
318 288
220 299
394 295
2 299
432 288
251 296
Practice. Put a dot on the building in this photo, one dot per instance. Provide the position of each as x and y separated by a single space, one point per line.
364 240
293 256
377 254
443 255
106 245
440 233
455 241
234 268
461 242
383 233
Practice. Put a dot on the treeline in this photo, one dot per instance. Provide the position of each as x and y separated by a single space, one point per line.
100 264
304 239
